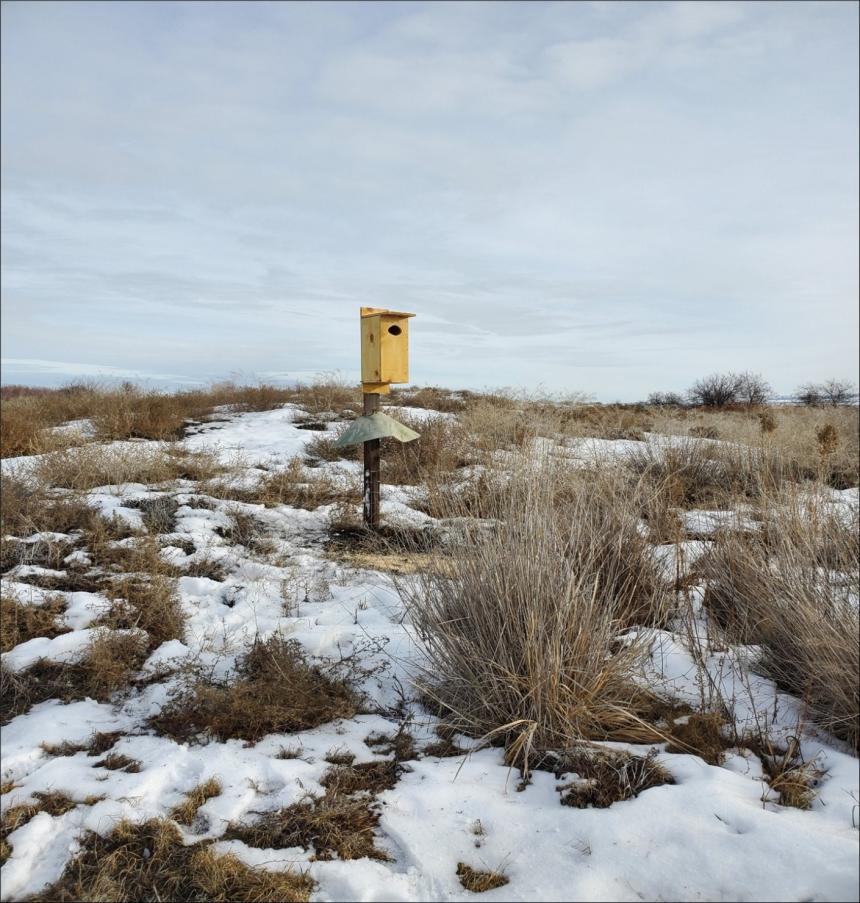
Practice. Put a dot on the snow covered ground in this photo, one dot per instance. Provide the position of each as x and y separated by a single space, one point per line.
715 834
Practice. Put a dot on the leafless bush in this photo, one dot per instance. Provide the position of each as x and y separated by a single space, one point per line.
832 392
666 399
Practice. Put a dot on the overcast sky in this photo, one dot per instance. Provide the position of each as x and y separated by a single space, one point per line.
601 197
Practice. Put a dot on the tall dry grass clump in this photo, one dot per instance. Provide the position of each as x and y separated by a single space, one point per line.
521 622
793 590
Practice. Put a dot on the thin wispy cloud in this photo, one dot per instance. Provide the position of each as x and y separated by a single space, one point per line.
609 198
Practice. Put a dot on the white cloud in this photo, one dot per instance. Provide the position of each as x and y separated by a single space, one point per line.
196 189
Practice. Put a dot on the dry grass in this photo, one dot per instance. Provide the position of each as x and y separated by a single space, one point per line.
105 667
150 862
98 744
792 590
695 474
104 465
521 632
129 412
606 777
477 881
17 816
276 691
331 825
119 762
26 507
186 811
700 733
370 777
442 447
298 487
792 779
149 603
429 397
19 623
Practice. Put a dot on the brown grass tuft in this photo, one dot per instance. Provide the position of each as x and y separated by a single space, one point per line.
119 762
522 628
106 666
371 777
186 811
105 465
276 691
477 881
149 603
701 735
607 776
150 862
17 816
330 825
19 622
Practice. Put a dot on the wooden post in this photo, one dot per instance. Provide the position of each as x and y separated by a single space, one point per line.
371 468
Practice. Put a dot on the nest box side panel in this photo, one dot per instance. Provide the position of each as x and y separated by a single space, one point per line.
371 362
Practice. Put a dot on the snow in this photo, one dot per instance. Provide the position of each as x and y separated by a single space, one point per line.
715 834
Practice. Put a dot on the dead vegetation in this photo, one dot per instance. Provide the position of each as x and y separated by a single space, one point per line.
372 777
298 487
521 630
478 881
789 589
150 861
789 777
129 412
105 667
333 824
17 816
98 744
275 691
148 602
20 622
110 465
601 776
119 762
700 734
186 811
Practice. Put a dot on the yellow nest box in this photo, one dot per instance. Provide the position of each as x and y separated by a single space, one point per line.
384 348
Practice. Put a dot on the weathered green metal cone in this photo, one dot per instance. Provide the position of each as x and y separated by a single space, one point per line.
374 426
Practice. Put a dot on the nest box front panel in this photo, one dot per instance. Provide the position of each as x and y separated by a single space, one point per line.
394 349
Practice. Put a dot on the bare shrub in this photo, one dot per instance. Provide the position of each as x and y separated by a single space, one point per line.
521 626
832 392
716 390
276 691
440 448
149 603
791 591
666 399
150 861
